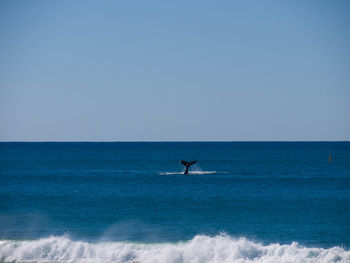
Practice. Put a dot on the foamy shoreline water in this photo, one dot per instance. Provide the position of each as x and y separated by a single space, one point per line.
221 248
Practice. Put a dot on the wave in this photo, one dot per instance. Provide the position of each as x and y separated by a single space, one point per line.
193 172
221 248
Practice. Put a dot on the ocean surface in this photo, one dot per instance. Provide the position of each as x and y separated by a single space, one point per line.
130 202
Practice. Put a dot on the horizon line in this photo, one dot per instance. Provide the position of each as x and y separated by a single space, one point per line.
172 141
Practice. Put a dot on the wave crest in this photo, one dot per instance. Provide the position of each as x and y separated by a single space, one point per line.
221 248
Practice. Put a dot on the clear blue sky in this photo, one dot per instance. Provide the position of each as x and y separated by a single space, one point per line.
174 70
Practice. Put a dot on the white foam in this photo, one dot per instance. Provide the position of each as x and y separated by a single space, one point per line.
200 249
192 172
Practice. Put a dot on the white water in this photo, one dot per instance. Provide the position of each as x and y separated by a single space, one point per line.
200 249
192 172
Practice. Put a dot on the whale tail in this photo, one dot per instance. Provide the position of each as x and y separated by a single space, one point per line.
187 164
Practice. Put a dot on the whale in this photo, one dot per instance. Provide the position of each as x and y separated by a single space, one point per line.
187 165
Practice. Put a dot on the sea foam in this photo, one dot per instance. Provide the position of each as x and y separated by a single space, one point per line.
200 249
193 172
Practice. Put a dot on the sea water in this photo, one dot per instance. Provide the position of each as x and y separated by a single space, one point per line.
130 202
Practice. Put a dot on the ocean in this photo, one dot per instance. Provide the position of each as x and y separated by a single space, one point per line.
131 202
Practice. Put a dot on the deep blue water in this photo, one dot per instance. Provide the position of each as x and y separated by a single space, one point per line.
265 191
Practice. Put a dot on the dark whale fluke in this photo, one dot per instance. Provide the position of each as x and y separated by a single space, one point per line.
187 164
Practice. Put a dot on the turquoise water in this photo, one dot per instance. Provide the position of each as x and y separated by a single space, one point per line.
129 202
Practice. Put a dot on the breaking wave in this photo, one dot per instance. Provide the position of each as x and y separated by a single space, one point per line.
221 248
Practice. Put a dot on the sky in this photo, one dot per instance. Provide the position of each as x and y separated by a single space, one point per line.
175 70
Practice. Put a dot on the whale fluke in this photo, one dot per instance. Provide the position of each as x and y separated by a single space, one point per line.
187 164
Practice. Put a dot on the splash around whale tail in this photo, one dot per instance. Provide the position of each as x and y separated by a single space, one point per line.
187 164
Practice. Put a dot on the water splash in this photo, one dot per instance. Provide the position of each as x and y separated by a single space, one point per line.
221 248
192 172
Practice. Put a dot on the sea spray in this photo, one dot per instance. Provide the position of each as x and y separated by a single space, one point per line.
193 172
221 248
